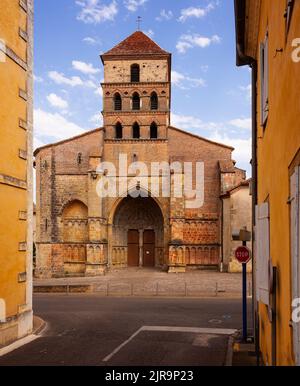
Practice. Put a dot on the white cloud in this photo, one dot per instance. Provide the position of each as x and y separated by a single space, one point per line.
185 82
186 122
247 90
97 119
196 12
99 91
89 40
241 123
85 68
133 5
60 78
94 12
242 152
74 81
149 33
189 41
57 101
220 133
165 15
38 79
48 126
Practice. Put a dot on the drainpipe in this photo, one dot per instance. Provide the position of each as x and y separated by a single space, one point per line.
254 203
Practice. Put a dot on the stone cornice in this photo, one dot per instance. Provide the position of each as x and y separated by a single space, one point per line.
134 85
135 112
13 56
131 140
12 181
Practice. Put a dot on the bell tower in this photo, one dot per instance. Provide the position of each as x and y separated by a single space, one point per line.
136 90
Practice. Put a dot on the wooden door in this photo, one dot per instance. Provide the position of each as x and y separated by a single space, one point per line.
149 248
133 248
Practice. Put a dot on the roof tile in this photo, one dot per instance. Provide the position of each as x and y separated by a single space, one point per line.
137 43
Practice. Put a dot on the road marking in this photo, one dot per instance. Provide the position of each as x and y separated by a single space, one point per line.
194 330
19 343
106 359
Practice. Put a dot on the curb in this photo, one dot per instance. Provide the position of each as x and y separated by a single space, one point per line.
38 326
107 291
229 353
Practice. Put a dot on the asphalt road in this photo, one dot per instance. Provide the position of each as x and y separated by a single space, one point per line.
87 330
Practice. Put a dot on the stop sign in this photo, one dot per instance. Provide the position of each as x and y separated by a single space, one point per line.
243 255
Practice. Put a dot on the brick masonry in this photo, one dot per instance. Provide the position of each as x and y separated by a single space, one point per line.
81 234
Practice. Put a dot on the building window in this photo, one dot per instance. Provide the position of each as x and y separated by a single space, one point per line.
117 102
154 101
119 131
135 73
136 132
79 158
136 101
153 131
264 79
288 13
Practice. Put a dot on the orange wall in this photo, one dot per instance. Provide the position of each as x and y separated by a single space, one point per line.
12 138
277 146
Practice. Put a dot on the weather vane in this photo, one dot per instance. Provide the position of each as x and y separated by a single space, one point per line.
139 21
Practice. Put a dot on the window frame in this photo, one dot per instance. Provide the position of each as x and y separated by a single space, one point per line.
134 79
152 127
116 95
264 80
154 95
134 95
295 251
134 127
288 13
118 126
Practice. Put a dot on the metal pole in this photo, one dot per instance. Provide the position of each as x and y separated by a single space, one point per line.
245 327
245 302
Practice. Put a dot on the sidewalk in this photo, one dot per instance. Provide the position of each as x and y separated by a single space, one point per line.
149 282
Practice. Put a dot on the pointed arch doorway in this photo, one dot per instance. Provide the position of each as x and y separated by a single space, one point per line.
138 232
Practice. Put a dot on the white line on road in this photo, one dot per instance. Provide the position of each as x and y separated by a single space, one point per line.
193 330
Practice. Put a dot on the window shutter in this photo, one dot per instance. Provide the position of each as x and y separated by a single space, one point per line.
295 253
262 248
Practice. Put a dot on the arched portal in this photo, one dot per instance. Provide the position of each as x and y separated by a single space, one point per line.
137 233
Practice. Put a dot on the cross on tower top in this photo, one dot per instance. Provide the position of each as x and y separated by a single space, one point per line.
139 21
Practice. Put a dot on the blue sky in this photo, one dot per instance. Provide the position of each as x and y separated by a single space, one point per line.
210 95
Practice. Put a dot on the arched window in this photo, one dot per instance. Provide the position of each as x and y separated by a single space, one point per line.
119 131
136 132
136 101
154 101
117 102
135 73
153 131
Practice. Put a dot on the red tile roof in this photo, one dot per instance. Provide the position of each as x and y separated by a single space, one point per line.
137 43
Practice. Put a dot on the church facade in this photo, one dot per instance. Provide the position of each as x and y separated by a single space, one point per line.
82 231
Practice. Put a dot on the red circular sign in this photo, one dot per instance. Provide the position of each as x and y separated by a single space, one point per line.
243 255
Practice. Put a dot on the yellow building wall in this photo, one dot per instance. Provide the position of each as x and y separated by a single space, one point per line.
15 181
278 144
